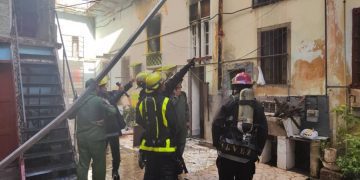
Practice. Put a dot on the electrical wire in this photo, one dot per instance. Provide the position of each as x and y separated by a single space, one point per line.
118 11
73 5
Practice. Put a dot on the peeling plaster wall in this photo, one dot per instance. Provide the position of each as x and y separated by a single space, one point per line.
5 18
340 56
306 57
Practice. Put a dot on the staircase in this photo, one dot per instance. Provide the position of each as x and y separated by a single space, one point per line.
53 156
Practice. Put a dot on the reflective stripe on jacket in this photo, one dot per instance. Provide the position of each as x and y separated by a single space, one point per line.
157 135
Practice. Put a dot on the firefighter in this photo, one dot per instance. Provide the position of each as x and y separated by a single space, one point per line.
239 131
91 134
114 124
158 118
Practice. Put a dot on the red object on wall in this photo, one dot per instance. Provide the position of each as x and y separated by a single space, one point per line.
8 122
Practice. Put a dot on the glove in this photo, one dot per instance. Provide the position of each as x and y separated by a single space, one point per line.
192 62
141 160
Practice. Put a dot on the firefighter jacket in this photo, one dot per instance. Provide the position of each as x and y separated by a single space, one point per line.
91 117
115 123
157 116
222 127
170 85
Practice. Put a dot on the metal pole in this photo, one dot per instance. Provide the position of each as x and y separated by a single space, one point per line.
29 143
65 58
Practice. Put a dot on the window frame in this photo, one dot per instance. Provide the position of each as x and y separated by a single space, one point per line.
198 44
154 37
287 55
68 42
355 64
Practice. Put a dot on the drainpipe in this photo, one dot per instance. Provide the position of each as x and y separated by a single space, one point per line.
220 34
348 91
326 46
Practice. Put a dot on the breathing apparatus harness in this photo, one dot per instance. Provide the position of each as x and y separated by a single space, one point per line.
239 143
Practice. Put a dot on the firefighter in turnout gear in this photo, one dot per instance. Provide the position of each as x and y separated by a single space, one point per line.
166 90
158 143
239 131
114 124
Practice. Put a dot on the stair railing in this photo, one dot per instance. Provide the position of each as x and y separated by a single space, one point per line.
20 102
65 61
78 102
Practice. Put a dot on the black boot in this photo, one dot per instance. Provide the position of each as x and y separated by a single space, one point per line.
115 175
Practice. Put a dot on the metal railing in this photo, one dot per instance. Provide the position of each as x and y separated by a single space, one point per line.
153 59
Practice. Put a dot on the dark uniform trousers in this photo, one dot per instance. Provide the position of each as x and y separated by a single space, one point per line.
160 166
115 152
230 170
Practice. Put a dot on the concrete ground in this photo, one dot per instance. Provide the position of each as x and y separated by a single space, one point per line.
200 161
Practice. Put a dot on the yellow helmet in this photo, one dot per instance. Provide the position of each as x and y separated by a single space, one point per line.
153 81
140 78
104 81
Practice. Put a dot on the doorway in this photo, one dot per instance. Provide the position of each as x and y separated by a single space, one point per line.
197 86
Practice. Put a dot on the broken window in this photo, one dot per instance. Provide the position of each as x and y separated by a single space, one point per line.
356 49
257 3
153 29
74 46
153 32
274 55
200 28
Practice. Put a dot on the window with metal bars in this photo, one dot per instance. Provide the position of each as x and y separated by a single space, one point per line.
356 49
274 55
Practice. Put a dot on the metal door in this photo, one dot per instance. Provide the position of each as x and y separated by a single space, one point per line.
8 122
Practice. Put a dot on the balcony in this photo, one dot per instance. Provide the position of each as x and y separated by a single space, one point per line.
153 59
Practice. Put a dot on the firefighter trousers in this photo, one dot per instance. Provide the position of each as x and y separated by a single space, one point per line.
229 169
160 166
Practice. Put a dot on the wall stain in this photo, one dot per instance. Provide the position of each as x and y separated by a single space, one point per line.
143 8
308 76
336 56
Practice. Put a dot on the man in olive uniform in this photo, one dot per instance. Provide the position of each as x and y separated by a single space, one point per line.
179 100
91 134
114 124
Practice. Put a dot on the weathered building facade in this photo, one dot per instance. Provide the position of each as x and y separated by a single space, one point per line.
306 52
303 48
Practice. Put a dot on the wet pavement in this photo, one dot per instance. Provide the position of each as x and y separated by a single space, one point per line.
200 161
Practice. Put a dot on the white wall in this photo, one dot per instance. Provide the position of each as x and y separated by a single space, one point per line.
77 25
